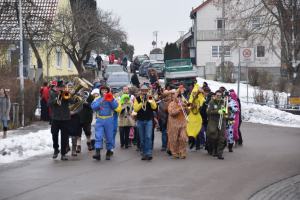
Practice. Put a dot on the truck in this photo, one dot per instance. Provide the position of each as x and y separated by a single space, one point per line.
180 71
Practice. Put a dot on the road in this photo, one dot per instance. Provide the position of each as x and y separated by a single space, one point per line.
268 155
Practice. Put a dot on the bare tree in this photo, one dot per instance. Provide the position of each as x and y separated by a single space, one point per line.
275 22
78 31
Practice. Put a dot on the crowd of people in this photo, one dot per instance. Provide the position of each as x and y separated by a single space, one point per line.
191 118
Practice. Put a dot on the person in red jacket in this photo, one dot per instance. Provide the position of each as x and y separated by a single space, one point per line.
112 58
44 94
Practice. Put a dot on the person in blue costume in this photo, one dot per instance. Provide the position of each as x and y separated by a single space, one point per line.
104 107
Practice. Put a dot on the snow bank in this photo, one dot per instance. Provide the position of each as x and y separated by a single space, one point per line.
20 147
256 113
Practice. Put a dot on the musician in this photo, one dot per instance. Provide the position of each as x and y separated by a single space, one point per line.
194 124
216 126
233 110
162 114
144 105
177 127
125 120
86 118
60 116
104 107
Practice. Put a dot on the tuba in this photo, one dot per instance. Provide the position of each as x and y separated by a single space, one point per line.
80 94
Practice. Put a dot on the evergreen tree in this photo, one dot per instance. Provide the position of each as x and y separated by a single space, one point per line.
171 51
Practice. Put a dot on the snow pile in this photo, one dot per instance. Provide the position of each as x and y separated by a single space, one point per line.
256 113
20 147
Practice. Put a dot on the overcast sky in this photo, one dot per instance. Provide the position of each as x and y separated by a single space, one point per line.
140 18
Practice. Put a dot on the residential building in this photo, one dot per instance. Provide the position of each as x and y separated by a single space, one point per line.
206 38
55 62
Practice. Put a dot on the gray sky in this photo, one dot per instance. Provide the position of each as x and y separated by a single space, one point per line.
140 18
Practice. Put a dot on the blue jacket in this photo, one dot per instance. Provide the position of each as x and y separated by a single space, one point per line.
104 108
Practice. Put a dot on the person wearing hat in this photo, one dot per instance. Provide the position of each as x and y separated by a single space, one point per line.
125 120
144 105
104 107
60 116
215 131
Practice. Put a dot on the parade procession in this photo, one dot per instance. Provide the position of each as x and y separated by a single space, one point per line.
149 100
185 118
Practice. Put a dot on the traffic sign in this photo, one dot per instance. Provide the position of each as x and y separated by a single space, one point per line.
247 55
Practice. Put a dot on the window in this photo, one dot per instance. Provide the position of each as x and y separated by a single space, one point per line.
220 24
260 51
256 22
58 57
70 63
217 51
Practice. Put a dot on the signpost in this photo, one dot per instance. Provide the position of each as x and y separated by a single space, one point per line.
246 55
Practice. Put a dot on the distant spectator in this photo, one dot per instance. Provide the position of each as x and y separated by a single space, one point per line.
5 106
112 58
135 80
124 63
44 94
99 61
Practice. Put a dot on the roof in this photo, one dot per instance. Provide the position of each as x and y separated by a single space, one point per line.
184 37
194 11
36 13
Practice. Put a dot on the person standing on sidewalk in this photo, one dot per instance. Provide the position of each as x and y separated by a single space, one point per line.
104 107
44 94
60 117
162 114
5 106
144 105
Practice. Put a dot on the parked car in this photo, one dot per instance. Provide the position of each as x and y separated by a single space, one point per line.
117 80
137 61
144 66
109 69
158 66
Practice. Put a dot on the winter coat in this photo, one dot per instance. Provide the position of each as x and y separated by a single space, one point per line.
5 106
86 114
194 124
58 112
135 80
213 119
125 118
162 113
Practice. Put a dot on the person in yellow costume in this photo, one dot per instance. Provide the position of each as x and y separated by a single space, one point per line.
194 123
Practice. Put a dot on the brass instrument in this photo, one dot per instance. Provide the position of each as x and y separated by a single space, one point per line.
146 98
80 94
183 110
63 94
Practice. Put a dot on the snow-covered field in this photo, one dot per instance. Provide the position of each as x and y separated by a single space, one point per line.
20 147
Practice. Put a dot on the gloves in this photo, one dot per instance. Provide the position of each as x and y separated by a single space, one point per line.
108 97
220 112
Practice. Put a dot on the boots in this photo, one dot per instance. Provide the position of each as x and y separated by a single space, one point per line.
55 154
108 154
78 149
230 147
4 132
74 142
64 157
89 145
97 155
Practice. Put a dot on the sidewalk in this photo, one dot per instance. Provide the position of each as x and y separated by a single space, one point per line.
287 189
34 127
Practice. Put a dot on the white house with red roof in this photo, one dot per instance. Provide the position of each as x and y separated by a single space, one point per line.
206 31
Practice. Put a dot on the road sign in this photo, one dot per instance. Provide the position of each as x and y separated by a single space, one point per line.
247 55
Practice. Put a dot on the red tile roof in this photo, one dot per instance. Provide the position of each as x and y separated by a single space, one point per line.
37 13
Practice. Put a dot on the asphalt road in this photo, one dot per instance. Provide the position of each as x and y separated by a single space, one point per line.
268 155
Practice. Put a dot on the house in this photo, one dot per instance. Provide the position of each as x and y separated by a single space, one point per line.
54 62
207 43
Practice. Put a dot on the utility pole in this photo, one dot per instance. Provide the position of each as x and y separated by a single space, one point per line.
155 33
223 40
293 40
21 67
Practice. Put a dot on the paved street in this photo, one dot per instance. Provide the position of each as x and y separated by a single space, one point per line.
270 154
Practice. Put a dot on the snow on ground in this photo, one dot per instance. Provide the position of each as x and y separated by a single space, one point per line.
256 113
20 147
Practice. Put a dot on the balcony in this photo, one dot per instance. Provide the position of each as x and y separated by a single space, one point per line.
214 35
